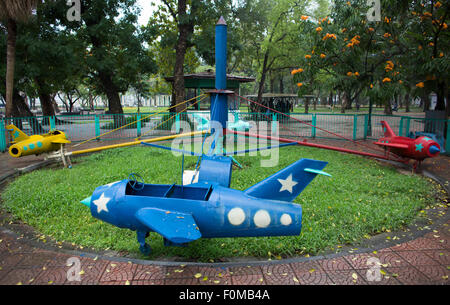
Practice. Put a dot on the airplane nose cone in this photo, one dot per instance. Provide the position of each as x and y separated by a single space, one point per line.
434 150
15 151
86 201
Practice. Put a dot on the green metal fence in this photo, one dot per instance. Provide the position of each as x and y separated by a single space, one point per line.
317 125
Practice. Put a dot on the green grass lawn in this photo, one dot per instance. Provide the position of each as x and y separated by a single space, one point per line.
362 198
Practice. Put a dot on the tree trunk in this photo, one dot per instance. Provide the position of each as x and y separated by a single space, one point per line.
10 62
316 100
440 105
281 84
46 104
178 95
24 111
272 83
426 102
406 102
387 107
348 103
306 104
114 104
44 98
263 78
184 30
345 99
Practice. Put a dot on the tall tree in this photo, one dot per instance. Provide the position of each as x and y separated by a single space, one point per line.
188 28
115 54
13 11
184 14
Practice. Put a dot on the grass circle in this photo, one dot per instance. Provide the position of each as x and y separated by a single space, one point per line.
361 198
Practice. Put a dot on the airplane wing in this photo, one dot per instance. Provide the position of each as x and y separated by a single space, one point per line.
60 141
404 146
175 226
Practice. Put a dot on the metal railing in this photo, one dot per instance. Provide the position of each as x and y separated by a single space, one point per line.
316 125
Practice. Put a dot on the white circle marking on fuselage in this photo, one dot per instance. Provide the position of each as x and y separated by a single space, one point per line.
236 216
261 219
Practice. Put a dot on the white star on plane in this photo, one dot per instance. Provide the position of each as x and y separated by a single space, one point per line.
101 203
287 184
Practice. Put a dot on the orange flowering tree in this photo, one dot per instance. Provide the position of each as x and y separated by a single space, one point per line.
427 59
374 59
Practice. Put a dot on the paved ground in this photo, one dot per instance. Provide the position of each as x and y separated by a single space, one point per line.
421 256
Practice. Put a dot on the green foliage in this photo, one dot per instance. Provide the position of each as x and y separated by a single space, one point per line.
54 54
357 52
336 210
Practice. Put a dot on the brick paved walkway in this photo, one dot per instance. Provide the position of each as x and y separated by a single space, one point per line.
423 260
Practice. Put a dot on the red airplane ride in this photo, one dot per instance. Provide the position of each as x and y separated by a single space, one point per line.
417 149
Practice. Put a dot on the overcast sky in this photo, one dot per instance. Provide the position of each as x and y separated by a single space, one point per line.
146 10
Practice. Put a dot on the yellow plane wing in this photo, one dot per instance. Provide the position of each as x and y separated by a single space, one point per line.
60 141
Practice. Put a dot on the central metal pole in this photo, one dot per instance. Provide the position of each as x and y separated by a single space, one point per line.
219 105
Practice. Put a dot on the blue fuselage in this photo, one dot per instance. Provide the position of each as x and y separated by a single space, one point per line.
218 211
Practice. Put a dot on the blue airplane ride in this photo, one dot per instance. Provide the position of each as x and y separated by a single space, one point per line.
207 208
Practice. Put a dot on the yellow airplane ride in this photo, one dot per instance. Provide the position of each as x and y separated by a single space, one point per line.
24 145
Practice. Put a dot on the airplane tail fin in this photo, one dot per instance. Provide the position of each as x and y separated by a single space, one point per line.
16 134
387 130
289 182
200 119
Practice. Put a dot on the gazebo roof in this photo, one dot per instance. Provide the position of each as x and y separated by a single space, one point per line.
206 79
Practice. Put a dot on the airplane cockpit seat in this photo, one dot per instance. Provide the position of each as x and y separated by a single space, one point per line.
216 169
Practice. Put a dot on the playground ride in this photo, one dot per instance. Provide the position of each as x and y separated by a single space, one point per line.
204 124
24 145
402 150
207 208
416 149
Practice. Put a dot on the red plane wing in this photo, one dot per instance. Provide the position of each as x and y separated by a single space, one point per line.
393 145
